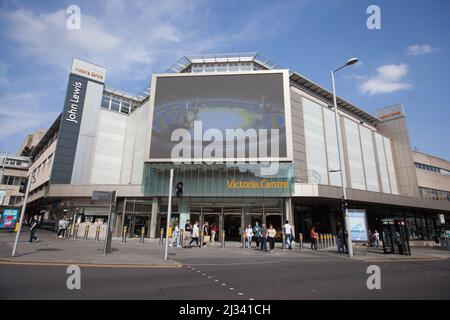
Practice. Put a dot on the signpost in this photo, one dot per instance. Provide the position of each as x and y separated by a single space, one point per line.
169 213
111 197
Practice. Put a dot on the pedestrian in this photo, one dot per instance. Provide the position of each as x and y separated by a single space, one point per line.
249 235
314 236
343 236
195 234
288 234
371 237
376 238
213 230
340 241
263 237
33 228
175 236
187 232
271 233
206 236
256 233
61 227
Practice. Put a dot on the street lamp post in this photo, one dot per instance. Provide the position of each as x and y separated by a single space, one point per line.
341 166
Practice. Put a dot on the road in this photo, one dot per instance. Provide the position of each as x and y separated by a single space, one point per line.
268 278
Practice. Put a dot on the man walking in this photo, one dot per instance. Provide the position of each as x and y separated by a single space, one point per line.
263 237
376 237
256 233
195 234
33 229
288 235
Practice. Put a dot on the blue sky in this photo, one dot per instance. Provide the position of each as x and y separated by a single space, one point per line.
406 61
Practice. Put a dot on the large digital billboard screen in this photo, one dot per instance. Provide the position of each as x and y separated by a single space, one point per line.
240 116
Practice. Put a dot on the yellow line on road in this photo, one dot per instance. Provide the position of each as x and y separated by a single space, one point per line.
89 265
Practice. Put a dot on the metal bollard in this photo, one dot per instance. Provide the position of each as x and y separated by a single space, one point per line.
75 231
300 241
320 241
124 234
243 238
161 236
283 241
334 240
86 232
142 235
181 239
222 239
201 238
97 233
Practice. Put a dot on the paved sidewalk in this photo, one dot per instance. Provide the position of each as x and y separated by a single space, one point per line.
51 249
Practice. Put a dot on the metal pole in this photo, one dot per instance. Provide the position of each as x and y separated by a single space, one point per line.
169 212
22 214
341 167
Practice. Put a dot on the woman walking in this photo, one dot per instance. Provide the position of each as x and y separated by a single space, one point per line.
271 233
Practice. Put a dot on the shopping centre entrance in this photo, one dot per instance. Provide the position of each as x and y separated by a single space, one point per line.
230 215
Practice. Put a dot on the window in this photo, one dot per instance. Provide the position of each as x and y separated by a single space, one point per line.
14 200
125 108
370 165
105 102
115 105
382 164
316 157
354 154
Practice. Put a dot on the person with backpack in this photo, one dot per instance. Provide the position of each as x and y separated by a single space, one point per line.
256 233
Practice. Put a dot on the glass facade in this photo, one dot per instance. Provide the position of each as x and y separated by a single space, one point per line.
219 180
332 147
316 157
382 164
370 165
390 165
354 154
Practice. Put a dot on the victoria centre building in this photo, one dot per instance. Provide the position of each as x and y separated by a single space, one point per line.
249 140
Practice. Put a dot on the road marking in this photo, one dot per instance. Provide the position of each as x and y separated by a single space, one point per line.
240 294
231 289
407 260
86 265
224 284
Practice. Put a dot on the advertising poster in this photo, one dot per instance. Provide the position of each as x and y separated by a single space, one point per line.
358 225
9 218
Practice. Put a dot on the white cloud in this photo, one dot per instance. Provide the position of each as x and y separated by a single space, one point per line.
389 78
21 113
420 49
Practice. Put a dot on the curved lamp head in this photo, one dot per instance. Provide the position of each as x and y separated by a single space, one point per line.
351 61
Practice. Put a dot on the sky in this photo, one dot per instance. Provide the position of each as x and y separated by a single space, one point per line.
405 61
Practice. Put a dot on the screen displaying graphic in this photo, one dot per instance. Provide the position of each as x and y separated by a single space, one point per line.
9 218
229 113
358 225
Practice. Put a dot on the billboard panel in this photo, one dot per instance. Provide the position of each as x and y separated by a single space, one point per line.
220 116
358 225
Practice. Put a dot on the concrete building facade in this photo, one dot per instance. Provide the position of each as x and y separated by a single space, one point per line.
104 140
